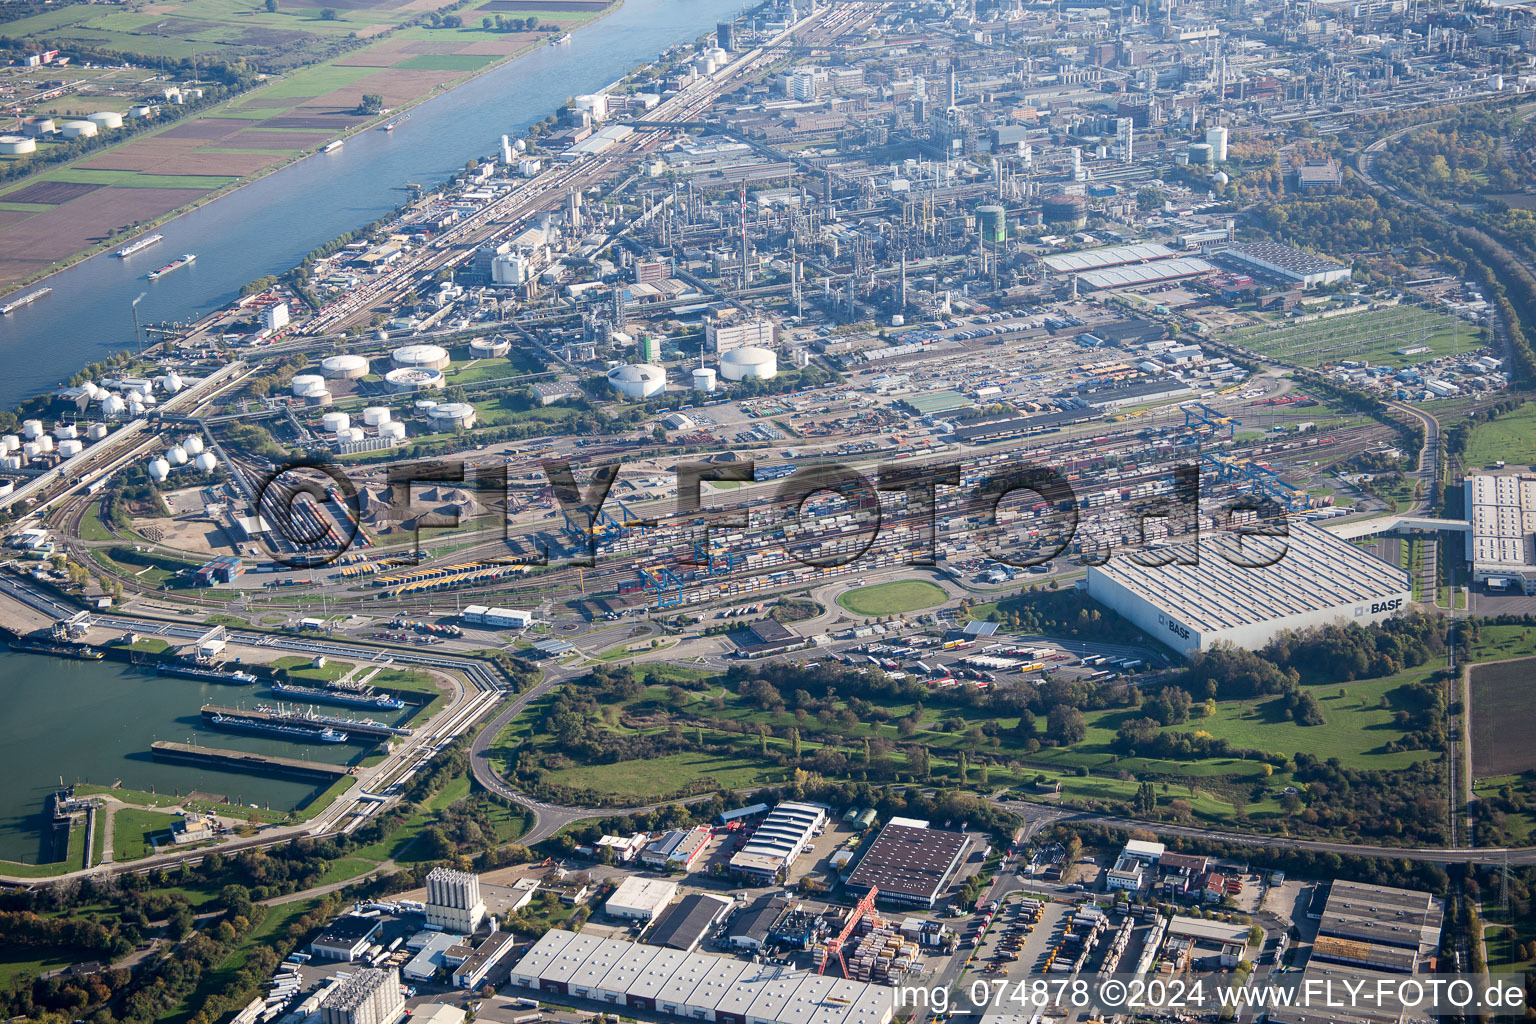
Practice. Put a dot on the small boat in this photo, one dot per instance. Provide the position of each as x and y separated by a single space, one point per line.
331 147
186 258
563 39
143 243
389 126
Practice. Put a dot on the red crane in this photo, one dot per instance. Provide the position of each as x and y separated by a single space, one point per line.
865 906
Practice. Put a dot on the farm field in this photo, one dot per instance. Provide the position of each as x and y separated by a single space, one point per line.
117 190
896 598
1503 717
1372 335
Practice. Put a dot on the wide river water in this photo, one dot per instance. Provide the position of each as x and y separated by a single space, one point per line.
95 721
268 226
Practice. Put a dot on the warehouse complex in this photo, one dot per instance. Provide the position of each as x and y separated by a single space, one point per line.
778 841
697 986
910 862
1368 934
1309 578
1500 544
1283 263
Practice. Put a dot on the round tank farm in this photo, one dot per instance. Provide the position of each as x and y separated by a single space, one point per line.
307 385
406 378
345 366
420 357
451 416
637 380
489 348
747 363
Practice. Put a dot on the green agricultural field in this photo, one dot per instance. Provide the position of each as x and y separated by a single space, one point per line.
1510 438
896 598
134 179
133 829
1371 335
457 62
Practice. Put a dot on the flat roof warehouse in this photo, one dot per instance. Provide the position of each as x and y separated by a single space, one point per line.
697 986
1312 578
910 862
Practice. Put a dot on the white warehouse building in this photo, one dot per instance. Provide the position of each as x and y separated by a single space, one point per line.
696 986
1501 541
778 841
640 899
1312 579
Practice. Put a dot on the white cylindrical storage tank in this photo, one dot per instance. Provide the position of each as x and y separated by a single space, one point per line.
750 362
637 380
489 348
1200 154
347 366
159 469
31 450
176 455
335 422
350 434
78 129
205 462
425 405
306 384
17 145
6 487
173 383
10 462
112 406
69 447
408 378
193 444
452 416
32 429
106 119
64 431
9 443
45 443
96 431
393 428
704 379
376 414
420 357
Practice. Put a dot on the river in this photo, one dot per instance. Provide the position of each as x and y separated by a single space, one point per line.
268 226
